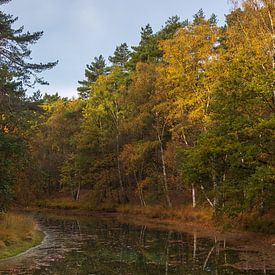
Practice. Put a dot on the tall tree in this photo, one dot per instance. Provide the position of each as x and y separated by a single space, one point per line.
171 26
121 56
15 52
185 83
101 128
16 73
92 72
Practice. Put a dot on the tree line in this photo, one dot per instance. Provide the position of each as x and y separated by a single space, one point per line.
184 117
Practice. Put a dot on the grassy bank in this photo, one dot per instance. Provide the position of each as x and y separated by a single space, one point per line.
181 214
18 233
185 214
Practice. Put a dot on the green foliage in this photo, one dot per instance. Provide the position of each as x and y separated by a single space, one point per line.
233 158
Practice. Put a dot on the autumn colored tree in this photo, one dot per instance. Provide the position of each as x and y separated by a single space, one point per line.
186 82
234 157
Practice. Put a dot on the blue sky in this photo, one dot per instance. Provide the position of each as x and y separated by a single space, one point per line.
77 30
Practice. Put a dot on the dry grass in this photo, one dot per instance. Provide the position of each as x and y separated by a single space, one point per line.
186 214
17 234
182 214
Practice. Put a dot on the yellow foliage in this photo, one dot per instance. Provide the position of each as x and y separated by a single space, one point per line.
185 77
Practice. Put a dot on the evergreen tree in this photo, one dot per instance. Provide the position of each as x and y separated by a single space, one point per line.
16 72
120 56
92 72
15 52
199 16
171 26
147 50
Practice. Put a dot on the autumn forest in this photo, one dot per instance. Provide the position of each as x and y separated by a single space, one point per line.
183 119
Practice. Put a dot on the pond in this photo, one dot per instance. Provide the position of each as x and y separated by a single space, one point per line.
103 245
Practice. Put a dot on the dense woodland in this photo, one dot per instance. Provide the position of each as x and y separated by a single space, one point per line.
186 117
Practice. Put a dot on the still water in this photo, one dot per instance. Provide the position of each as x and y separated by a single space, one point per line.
103 245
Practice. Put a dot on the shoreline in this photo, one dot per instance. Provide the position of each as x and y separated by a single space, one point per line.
202 228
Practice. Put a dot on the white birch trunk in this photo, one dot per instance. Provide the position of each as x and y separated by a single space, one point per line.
193 196
165 184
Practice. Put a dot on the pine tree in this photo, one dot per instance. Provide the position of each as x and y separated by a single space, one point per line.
147 50
171 26
92 72
199 17
16 73
15 53
120 56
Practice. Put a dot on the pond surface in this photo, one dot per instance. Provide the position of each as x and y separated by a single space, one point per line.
102 245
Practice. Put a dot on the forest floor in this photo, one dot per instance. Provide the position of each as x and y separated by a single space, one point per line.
18 233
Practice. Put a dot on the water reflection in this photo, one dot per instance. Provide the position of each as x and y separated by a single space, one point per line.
105 246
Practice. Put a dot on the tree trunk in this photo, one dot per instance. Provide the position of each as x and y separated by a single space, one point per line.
165 184
184 138
140 192
214 180
209 201
122 190
271 20
193 196
77 192
270 7
194 245
142 197
142 201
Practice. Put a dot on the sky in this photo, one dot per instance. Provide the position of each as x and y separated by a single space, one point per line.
75 31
